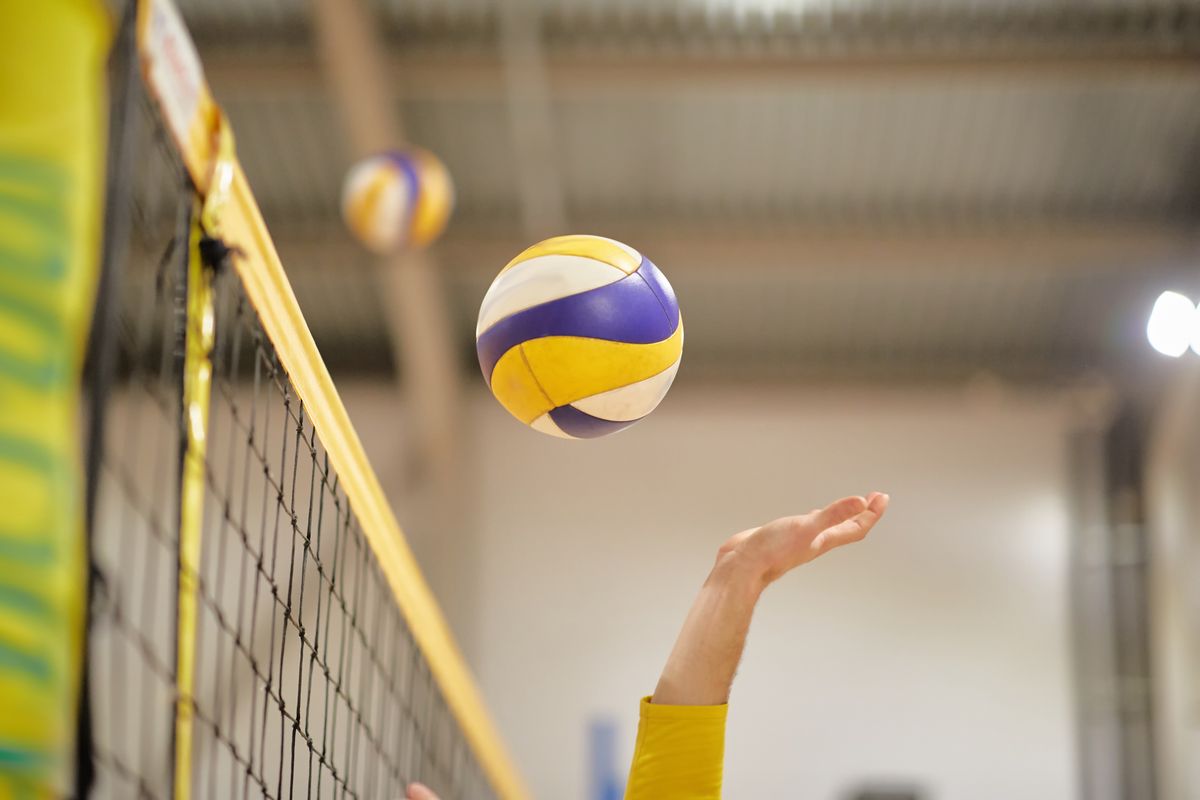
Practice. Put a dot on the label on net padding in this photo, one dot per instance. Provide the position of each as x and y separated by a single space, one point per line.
175 77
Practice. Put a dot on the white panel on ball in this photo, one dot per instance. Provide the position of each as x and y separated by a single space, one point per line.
540 280
546 425
630 402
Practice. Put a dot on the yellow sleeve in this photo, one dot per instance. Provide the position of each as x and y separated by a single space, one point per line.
679 753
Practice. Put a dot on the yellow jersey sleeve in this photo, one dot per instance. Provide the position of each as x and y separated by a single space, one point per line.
679 754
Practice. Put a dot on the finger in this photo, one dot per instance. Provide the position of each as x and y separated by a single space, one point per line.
856 527
419 791
839 511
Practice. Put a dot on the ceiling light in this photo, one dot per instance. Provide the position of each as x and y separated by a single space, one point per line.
1196 330
1173 324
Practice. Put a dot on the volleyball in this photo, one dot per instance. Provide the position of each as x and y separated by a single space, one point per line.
579 336
396 199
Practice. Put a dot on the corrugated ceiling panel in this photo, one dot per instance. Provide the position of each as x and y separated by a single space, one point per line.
646 18
909 152
914 149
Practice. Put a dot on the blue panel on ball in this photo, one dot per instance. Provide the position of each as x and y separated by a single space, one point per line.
412 183
624 311
661 287
576 423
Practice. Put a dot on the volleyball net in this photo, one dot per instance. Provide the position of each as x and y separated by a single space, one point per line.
259 624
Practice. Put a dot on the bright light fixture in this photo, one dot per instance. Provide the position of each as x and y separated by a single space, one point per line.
1196 330
1173 325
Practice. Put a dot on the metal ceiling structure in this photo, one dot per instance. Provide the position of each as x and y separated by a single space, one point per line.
837 188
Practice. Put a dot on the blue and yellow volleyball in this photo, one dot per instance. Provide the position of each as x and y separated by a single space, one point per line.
579 336
397 199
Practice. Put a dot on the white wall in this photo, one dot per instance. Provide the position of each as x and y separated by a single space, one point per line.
1174 524
936 653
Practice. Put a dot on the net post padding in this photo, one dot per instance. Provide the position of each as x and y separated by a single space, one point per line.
185 103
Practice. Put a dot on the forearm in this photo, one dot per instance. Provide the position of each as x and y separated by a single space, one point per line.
704 660
681 737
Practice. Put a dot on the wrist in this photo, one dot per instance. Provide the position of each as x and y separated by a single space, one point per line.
736 571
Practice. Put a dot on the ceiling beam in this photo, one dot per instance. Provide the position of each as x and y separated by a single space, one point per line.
423 75
531 119
1095 248
353 63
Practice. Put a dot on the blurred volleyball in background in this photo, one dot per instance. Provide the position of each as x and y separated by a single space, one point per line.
396 199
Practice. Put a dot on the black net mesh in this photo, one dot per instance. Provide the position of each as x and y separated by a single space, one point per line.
308 680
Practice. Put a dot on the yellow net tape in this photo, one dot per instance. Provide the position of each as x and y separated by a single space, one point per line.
197 389
197 383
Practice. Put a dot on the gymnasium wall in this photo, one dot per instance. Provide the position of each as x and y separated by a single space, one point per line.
936 655
1173 516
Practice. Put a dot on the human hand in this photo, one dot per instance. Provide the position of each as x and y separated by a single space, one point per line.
767 552
419 791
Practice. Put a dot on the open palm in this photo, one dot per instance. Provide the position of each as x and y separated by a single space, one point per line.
786 543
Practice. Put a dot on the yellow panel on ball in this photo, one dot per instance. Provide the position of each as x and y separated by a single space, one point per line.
517 389
608 251
570 368
583 340
435 200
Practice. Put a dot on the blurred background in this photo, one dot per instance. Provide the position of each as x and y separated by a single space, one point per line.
917 243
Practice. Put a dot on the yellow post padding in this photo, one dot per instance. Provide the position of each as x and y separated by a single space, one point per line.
595 247
541 374
53 109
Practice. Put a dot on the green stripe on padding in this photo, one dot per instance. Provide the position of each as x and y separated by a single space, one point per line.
22 758
24 601
32 664
26 550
